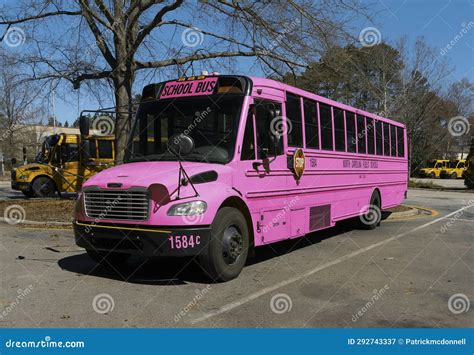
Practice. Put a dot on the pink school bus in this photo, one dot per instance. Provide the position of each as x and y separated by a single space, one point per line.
219 165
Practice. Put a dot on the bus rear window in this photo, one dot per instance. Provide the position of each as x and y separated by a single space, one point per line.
326 126
401 142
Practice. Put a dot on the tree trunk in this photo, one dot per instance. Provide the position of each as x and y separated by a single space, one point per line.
123 102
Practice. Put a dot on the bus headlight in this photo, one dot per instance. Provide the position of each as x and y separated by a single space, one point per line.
188 208
23 178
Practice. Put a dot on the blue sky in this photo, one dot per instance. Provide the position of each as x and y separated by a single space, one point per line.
439 21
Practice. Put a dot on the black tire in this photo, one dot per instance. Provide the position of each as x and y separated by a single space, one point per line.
28 193
228 247
107 258
372 217
43 187
454 176
431 176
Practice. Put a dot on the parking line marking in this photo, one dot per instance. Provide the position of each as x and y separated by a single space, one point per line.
251 297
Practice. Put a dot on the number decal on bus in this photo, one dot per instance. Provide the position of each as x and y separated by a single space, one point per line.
184 241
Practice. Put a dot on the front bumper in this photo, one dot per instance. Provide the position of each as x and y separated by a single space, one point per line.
21 186
147 241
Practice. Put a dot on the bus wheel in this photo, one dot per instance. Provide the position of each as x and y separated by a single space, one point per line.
454 176
106 258
228 245
431 176
371 218
43 187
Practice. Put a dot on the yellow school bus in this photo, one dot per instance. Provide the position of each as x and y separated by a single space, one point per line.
454 169
433 168
61 167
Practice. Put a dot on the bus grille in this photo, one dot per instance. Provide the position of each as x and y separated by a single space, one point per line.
130 205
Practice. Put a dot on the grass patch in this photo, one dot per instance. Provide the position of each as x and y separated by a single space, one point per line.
42 210
400 208
424 185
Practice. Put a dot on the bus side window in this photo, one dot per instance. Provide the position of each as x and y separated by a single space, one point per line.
393 141
265 134
401 142
311 123
361 133
105 149
339 134
370 136
69 153
386 139
294 121
351 132
92 149
326 127
460 166
248 144
379 135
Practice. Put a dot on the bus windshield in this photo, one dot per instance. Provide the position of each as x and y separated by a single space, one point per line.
431 164
453 164
44 155
212 121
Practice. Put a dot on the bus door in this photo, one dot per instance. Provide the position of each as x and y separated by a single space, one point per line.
67 175
261 173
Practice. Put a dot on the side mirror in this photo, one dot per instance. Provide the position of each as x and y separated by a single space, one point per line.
180 144
84 125
13 161
85 151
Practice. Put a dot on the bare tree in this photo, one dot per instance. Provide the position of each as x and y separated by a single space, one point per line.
19 110
85 40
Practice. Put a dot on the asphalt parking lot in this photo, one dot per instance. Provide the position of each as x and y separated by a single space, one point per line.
411 272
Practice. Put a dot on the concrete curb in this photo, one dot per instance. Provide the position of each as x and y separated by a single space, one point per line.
50 223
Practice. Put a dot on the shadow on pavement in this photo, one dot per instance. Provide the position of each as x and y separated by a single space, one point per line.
178 271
